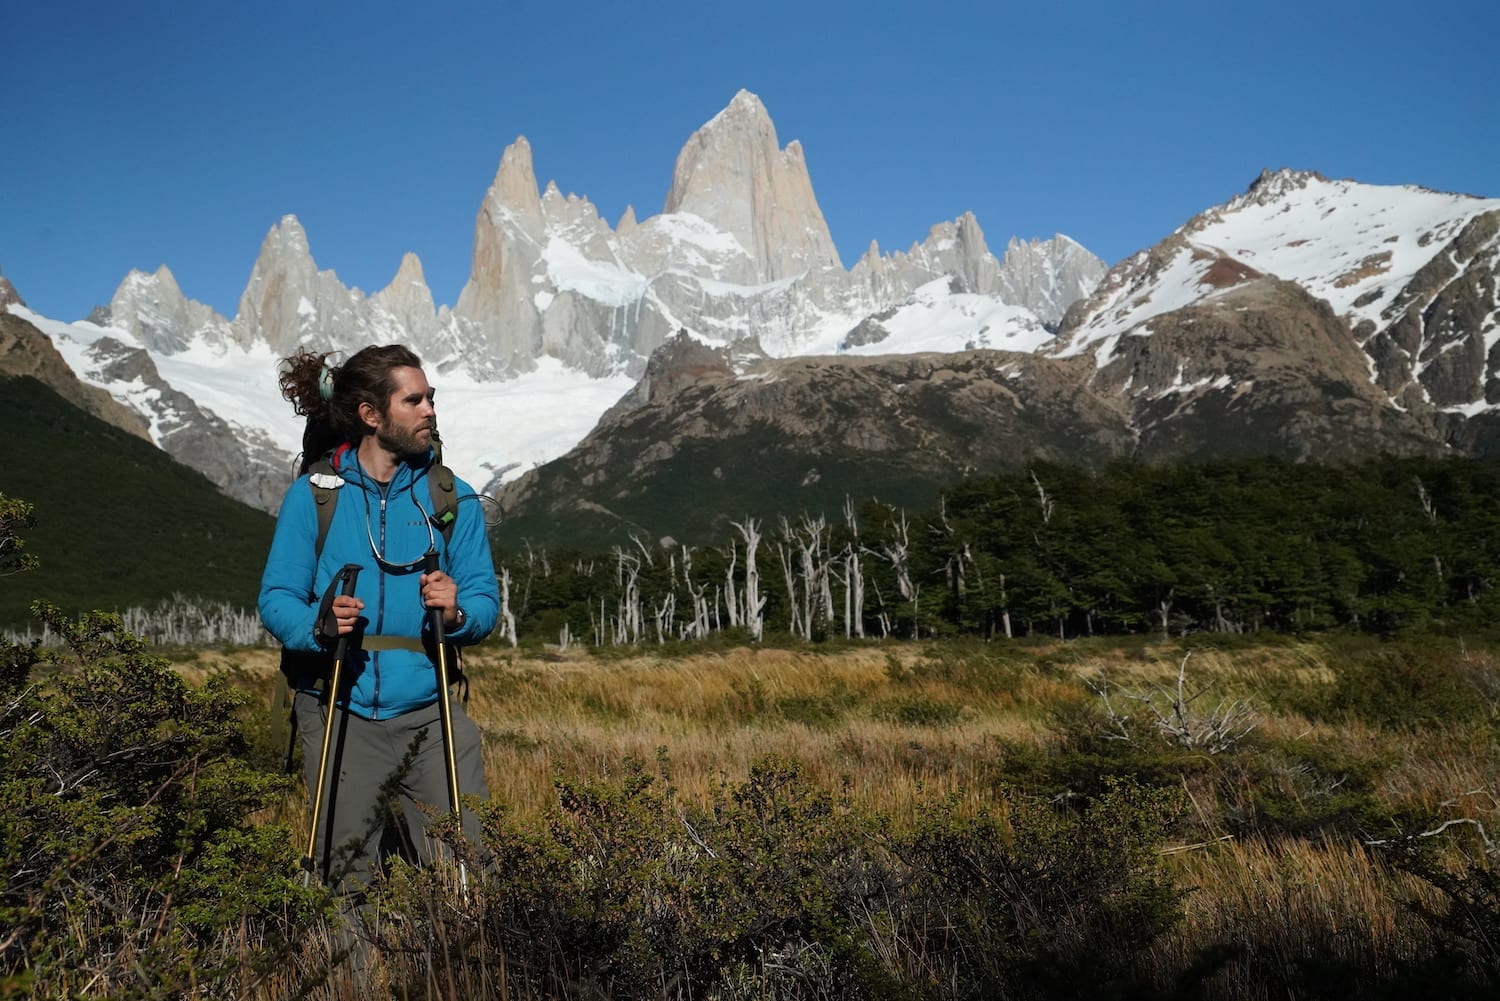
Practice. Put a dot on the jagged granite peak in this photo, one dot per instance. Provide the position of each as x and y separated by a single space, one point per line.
550 279
1262 368
288 302
413 317
1048 276
1043 276
733 173
409 287
509 234
574 220
154 310
955 248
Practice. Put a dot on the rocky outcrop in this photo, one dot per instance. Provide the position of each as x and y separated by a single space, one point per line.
1432 350
809 433
8 294
26 351
1263 369
1260 369
243 463
1408 275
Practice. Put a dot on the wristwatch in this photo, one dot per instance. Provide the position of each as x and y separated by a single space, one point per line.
462 618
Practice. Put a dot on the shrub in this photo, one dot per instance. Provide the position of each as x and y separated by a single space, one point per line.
127 856
1048 905
628 893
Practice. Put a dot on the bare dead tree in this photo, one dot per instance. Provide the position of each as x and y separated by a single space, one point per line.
1044 499
664 613
507 614
812 541
896 550
732 555
631 619
697 626
1172 714
854 577
805 562
754 605
789 577
1428 507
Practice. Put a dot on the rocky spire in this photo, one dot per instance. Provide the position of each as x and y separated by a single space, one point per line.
509 234
407 296
288 302
733 174
153 308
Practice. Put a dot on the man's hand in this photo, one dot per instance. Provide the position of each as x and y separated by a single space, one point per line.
346 609
441 592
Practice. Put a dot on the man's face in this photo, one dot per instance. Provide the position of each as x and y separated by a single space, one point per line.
406 426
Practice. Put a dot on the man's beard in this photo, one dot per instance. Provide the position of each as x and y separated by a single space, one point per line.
403 441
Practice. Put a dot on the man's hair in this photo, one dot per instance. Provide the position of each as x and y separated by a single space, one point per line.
329 396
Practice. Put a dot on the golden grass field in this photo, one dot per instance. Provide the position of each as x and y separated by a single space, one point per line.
899 727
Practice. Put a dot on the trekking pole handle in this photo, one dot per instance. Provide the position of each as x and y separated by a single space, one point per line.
434 615
343 584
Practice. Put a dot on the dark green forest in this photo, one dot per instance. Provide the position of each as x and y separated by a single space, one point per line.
1386 546
118 523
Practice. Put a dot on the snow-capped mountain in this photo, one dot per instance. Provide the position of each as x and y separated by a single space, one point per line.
562 311
1306 319
1410 272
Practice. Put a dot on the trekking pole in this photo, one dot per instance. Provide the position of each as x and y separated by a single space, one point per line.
429 564
347 575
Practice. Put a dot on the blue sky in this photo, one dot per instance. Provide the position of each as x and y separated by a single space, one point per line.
178 133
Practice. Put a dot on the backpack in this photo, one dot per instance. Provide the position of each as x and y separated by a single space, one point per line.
321 474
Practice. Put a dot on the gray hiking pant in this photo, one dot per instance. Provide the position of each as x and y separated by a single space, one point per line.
380 774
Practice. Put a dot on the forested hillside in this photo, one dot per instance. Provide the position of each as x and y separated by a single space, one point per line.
1262 544
118 523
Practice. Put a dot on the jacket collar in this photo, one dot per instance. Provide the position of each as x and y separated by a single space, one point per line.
345 462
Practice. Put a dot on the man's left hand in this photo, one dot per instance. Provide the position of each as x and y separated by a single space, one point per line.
441 592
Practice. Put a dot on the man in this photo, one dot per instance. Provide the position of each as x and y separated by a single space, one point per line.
375 416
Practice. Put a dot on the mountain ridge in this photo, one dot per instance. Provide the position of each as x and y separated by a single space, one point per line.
740 253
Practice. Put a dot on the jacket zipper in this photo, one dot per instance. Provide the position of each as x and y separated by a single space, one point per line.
380 615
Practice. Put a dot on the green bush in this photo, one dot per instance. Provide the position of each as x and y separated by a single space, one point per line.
1048 905
776 889
128 858
1401 686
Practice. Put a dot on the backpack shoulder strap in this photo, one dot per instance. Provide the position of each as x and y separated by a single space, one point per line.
321 477
444 499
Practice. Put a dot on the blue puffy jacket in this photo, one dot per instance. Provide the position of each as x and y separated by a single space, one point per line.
393 517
